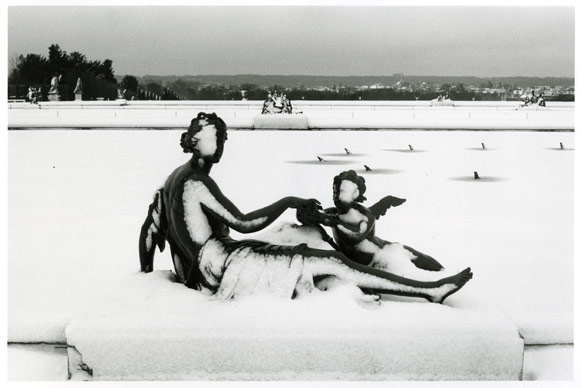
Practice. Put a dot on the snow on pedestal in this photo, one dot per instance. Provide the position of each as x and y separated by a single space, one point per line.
281 121
152 328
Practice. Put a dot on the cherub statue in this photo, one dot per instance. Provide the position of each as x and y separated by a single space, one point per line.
353 227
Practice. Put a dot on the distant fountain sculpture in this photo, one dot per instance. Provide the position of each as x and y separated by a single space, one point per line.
79 90
275 104
191 213
532 99
121 94
442 101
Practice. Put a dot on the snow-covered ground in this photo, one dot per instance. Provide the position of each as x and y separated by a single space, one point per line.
76 201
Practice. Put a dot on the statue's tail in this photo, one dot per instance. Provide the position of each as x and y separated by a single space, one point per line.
153 232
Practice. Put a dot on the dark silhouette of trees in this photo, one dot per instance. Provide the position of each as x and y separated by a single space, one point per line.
129 82
37 70
30 70
155 88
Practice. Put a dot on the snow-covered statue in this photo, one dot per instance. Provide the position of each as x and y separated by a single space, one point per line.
121 93
442 100
532 99
78 90
78 86
54 85
276 104
194 217
53 91
353 227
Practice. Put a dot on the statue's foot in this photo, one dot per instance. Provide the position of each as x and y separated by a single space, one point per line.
458 281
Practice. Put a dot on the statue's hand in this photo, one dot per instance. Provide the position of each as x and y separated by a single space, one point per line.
297 203
330 219
308 212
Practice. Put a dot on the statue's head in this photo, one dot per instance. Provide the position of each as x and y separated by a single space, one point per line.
205 137
348 187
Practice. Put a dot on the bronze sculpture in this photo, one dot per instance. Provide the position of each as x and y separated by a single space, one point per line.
194 216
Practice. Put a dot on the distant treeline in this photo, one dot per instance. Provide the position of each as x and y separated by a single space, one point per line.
36 70
310 81
200 88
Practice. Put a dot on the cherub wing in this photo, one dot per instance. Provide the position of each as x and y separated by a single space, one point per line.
385 203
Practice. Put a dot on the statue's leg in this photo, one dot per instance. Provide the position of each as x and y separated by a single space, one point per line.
319 262
424 261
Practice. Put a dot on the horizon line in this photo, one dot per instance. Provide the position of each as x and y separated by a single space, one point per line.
310 75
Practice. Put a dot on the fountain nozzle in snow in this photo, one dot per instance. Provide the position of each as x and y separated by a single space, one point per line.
476 176
411 148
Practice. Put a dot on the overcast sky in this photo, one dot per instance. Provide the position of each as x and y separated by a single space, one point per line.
340 40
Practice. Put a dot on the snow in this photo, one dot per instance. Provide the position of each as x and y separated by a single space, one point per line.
281 121
548 363
37 363
206 139
49 363
77 200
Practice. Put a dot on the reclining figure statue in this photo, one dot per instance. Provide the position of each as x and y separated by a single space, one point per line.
191 214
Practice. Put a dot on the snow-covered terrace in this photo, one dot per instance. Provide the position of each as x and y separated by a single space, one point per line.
468 115
76 201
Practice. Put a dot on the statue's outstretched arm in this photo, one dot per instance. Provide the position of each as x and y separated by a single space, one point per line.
220 207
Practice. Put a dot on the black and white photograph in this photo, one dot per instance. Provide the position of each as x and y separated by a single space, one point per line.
304 192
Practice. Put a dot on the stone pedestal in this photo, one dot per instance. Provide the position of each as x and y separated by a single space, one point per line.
78 97
150 328
54 97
